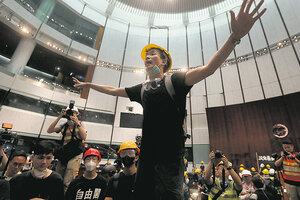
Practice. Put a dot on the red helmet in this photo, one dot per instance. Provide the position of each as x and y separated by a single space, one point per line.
92 152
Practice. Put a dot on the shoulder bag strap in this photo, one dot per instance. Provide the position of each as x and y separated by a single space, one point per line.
65 127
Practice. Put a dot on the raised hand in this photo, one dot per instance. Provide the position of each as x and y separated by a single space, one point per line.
243 22
79 84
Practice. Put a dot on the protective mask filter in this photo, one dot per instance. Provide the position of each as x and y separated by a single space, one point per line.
39 174
90 166
127 161
155 70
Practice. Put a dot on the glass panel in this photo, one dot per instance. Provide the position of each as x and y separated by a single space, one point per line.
86 32
46 65
30 5
63 20
113 43
194 44
25 103
9 40
177 46
137 39
98 117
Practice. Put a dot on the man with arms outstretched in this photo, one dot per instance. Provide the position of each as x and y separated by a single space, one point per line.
160 169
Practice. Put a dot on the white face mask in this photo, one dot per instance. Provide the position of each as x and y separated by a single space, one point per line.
90 166
39 174
187 181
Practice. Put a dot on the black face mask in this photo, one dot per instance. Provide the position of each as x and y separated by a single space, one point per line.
127 161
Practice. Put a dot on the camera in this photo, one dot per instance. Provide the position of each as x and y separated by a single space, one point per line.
218 154
69 111
6 136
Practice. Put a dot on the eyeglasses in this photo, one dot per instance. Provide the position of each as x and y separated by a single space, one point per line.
152 84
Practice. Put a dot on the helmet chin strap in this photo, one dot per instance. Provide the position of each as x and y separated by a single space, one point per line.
155 70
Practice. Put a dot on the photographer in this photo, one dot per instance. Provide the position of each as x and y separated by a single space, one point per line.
217 179
290 162
73 136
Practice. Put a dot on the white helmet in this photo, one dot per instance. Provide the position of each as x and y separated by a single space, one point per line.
271 172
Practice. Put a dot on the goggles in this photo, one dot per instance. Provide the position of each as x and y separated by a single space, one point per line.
127 152
152 84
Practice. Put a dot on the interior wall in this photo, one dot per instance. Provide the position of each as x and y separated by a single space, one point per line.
242 130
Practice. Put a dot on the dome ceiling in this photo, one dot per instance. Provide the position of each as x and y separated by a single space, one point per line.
168 6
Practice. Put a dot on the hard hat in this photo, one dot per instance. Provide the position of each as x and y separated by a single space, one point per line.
154 46
128 144
253 169
242 169
272 171
185 172
202 162
246 173
242 165
220 163
92 152
262 165
268 166
265 171
198 170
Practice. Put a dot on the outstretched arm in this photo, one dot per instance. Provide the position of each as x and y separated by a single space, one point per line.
240 26
101 88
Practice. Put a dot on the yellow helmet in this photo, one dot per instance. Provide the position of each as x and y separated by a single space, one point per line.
198 170
268 166
220 163
202 162
253 169
242 165
128 144
242 169
185 172
265 171
154 46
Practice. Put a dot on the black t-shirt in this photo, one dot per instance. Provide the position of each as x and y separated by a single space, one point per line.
4 190
25 186
163 118
82 188
124 189
263 195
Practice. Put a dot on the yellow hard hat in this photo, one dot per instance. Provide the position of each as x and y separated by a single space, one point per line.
202 161
242 165
198 170
154 46
268 166
220 163
265 171
185 172
253 169
128 144
242 169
